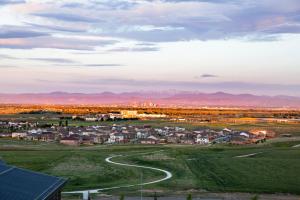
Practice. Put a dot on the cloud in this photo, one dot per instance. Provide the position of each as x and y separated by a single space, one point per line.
3 56
68 62
102 5
208 1
68 17
55 43
73 5
167 20
203 20
19 32
146 44
59 28
262 38
208 76
53 60
8 66
103 65
6 2
100 65
134 49
111 5
154 21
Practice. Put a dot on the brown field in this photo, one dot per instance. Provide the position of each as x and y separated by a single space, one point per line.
183 112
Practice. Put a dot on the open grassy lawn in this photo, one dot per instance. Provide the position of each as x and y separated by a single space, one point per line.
83 166
275 170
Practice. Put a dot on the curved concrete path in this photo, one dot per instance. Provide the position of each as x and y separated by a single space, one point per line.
248 155
168 175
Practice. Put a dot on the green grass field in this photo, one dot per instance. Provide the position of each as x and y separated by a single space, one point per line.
275 170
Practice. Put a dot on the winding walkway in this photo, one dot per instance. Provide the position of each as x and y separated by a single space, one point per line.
248 155
167 176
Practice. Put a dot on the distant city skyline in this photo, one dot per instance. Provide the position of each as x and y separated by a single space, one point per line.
92 46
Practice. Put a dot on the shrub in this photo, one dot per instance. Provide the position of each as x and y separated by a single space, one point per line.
189 197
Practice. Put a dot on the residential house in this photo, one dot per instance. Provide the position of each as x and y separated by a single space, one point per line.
116 138
202 139
71 140
47 136
149 141
19 135
5 135
187 141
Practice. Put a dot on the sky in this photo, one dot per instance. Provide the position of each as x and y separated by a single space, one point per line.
92 46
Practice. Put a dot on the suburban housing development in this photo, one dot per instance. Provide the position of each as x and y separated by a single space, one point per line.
126 133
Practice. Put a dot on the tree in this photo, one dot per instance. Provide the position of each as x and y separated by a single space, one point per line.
67 123
189 197
122 197
255 197
155 196
11 128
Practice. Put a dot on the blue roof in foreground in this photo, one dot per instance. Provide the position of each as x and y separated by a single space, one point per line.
22 184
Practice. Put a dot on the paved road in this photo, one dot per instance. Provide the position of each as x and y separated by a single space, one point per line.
167 176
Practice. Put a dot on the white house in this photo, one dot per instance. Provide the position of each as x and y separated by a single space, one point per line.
116 137
202 140
227 130
179 129
91 119
244 134
142 135
152 137
19 135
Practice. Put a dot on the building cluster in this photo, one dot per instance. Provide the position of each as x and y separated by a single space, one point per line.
126 134
123 114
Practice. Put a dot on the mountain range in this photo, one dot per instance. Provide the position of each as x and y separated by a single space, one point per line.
164 99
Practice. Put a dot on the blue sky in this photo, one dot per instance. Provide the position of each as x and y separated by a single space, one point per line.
237 46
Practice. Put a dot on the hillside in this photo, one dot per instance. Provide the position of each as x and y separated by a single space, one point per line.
187 99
